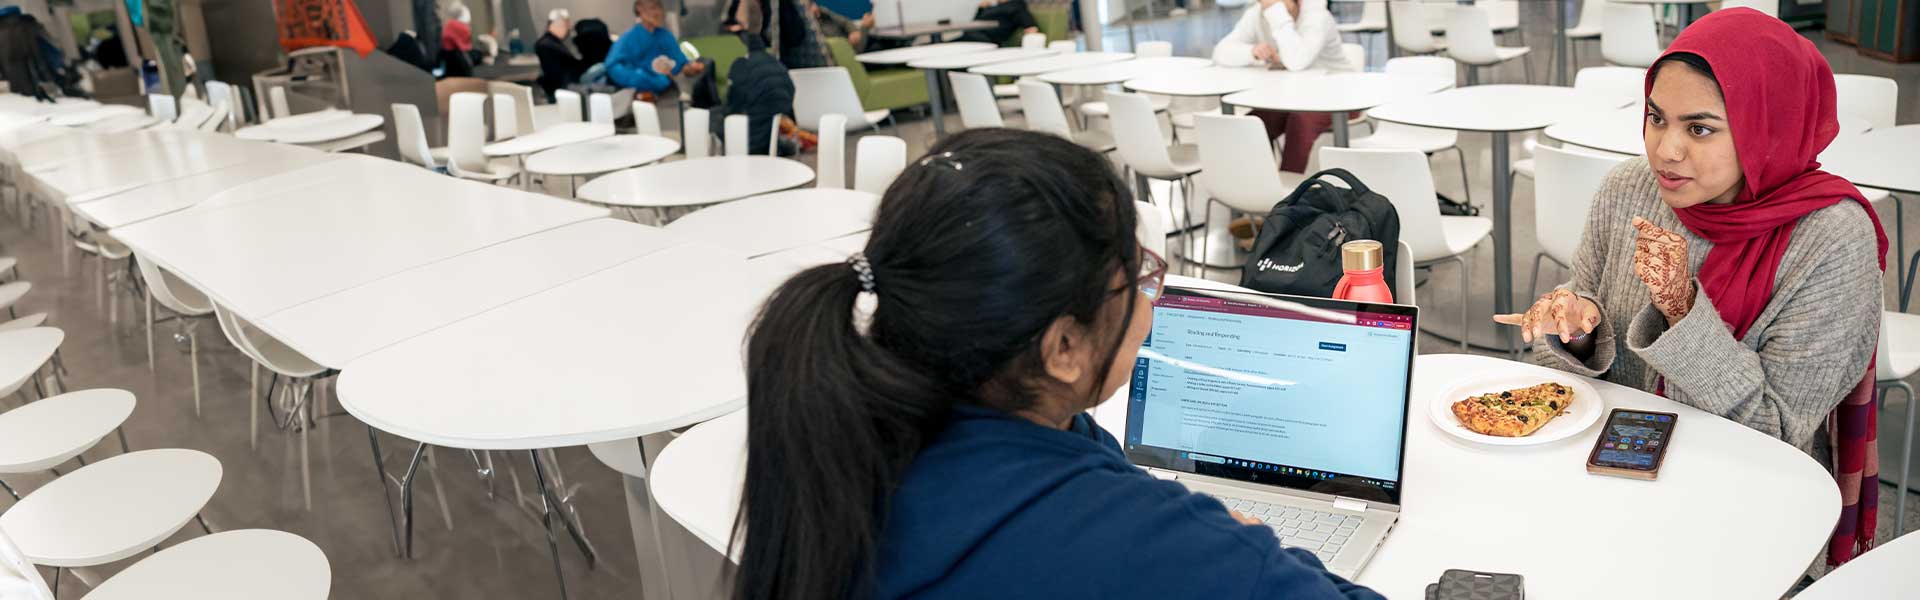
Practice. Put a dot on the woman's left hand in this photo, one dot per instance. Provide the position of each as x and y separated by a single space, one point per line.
1660 259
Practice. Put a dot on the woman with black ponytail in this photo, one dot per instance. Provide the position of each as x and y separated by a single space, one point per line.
917 419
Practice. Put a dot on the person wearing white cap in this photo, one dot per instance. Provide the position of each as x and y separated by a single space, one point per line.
559 65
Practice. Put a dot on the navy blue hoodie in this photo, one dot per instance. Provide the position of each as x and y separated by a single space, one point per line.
1001 507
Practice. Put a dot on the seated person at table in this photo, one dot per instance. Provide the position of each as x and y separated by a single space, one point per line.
918 414
559 67
801 43
647 56
1010 17
1726 271
1295 35
456 43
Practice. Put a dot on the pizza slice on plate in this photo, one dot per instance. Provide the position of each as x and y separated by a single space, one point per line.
1514 413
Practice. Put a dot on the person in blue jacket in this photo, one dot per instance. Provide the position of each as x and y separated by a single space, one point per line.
647 56
917 419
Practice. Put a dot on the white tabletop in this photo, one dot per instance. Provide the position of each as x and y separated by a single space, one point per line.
1674 535
603 155
338 328
1491 108
85 181
1048 64
313 129
34 152
898 56
974 59
291 167
24 351
1887 571
1620 130
647 346
1882 158
780 220
553 136
365 219
697 181
1338 92
77 118
304 120
44 433
123 123
85 518
1217 81
1117 72
1663 1
230 565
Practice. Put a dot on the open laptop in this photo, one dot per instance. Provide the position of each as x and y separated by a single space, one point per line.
902 13
1286 408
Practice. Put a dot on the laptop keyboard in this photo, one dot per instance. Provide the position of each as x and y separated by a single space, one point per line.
1322 533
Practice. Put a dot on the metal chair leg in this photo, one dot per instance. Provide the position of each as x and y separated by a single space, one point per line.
9 489
546 522
1466 185
380 472
1906 457
1466 292
1533 282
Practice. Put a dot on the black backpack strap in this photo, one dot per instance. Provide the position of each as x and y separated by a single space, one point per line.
1352 182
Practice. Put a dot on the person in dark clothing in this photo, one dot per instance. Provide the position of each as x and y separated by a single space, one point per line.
591 38
407 48
1010 18
558 66
760 88
29 61
801 43
111 53
456 44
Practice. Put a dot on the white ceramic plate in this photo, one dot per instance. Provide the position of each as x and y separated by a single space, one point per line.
1587 407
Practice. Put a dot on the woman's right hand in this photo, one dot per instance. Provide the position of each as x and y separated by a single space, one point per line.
1560 313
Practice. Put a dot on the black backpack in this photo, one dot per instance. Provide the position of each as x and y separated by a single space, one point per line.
1298 250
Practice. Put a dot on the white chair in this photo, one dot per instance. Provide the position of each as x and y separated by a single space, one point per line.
277 101
1628 38
1563 193
220 92
23 353
975 97
163 107
26 322
1503 17
505 124
1154 49
1898 359
878 159
1144 150
523 113
1356 55
1403 177
466 134
829 90
1031 41
237 100
300 372
1413 26
1769 8
1430 141
695 133
1044 114
247 563
1591 16
193 113
187 304
1611 82
1097 109
411 137
1470 41
1373 19
831 165
86 518
1873 99
600 109
646 118
1404 283
47 433
1237 167
569 103
735 134
216 120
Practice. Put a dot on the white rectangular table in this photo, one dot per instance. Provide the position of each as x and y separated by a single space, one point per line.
104 174
779 221
286 168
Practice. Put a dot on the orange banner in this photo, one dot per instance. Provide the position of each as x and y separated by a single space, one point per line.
308 23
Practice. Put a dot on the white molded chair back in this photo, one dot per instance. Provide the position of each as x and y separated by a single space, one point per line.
600 109
171 292
822 91
695 136
238 116
1437 67
735 134
18 575
1412 27
646 118
277 101
1628 38
410 135
1136 134
1502 15
1063 46
1592 15
193 113
1874 99
1236 162
1769 8
1405 179
163 107
831 169
1356 54
877 160
1150 227
569 102
1470 36
975 97
1564 183
1034 41
219 92
505 124
217 119
1042 107
1373 17
1404 283
467 132
1154 49
523 122
1611 81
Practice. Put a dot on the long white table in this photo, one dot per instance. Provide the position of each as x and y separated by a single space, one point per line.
113 172
697 181
779 221
284 167
1528 510
312 128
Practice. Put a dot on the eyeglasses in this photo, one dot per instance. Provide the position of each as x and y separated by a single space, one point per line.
1153 274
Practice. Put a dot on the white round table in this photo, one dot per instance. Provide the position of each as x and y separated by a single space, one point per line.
901 56
1882 158
604 155
697 181
312 129
1497 110
1678 537
933 66
1117 72
779 221
553 136
1338 93
1047 64
1215 80
1887 571
1622 130
230 565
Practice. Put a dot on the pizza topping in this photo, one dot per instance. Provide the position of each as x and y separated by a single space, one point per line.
1506 394
1523 418
1553 405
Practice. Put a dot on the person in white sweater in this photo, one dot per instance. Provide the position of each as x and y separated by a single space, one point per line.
1296 35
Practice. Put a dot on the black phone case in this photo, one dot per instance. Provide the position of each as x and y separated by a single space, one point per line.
1461 584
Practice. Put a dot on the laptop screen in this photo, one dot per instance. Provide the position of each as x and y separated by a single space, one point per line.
1303 393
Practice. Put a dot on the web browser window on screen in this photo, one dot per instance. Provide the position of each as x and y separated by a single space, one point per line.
1273 382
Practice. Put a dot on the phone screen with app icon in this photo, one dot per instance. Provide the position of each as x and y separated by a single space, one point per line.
1633 443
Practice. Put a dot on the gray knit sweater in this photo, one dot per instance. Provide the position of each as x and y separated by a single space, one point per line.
1802 355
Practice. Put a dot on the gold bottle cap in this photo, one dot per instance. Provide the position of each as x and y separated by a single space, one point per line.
1361 255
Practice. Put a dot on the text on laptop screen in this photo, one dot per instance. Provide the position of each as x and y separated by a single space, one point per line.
1296 391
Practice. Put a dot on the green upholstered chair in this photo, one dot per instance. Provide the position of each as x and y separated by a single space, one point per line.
1052 19
891 89
723 49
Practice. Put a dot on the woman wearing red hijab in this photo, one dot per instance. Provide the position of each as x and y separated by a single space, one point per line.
1725 270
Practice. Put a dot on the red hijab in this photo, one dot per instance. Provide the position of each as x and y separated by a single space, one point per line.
1781 111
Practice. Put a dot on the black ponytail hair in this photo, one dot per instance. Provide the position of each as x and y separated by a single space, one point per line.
975 251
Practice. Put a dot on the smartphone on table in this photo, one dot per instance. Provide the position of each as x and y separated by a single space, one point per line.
1633 444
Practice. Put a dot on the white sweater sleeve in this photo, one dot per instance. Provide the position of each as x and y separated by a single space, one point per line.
1299 41
1236 50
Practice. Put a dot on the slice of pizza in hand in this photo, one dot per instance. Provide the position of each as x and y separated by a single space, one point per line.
1514 413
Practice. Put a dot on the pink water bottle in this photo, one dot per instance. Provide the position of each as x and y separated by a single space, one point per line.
1363 262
